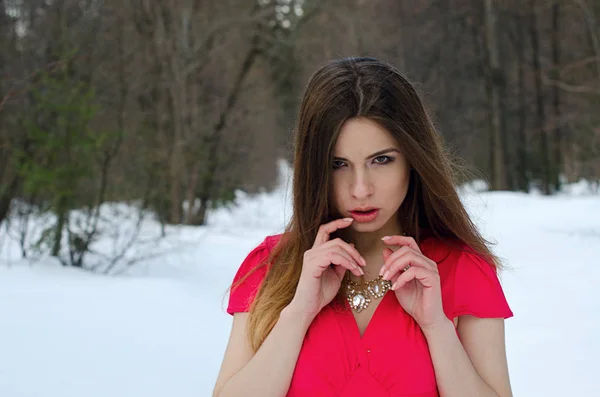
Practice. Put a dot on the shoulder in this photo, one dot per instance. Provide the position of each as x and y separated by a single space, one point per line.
257 257
469 281
454 255
250 274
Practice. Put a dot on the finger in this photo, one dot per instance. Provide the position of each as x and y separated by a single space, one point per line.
402 240
407 261
340 250
339 270
353 252
389 257
386 254
422 275
340 260
328 228
404 251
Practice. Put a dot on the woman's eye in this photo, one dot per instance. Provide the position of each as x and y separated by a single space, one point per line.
337 164
383 159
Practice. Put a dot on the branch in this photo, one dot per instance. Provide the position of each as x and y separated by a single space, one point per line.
579 89
578 64
590 18
31 80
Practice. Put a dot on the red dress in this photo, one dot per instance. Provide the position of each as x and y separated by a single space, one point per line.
392 357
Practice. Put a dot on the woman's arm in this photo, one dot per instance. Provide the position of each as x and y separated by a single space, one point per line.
268 372
474 365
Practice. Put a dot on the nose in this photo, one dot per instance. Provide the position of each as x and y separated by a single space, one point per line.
361 187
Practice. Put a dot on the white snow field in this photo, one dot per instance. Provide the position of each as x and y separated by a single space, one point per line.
159 328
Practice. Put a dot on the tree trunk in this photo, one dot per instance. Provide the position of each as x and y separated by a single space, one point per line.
557 143
214 140
494 78
61 215
6 196
522 169
544 155
176 165
192 188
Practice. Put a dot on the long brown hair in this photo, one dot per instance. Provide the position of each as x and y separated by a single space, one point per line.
340 90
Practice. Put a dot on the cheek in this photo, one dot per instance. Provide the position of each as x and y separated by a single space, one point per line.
394 190
395 184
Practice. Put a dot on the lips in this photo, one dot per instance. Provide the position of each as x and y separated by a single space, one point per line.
365 214
363 211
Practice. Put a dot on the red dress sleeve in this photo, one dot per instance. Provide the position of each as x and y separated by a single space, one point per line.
241 295
476 289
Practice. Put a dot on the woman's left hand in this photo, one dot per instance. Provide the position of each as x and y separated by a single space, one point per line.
415 281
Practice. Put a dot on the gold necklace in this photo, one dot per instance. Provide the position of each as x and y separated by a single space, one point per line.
359 295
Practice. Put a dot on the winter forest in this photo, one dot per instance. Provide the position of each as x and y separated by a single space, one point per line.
141 139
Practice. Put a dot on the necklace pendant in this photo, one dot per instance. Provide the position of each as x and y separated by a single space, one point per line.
359 295
358 300
378 288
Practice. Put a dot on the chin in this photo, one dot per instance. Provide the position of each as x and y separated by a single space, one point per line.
363 228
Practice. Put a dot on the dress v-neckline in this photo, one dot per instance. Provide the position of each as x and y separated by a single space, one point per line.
376 314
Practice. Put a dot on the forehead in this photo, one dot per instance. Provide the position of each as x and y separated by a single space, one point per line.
362 137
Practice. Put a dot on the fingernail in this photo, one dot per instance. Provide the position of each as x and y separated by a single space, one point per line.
395 285
381 270
386 275
363 261
385 238
361 271
348 219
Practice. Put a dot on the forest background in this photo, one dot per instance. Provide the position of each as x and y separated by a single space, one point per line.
172 106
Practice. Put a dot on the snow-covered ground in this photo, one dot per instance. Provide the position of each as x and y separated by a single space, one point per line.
160 328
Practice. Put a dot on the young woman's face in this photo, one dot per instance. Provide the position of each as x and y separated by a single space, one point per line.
370 175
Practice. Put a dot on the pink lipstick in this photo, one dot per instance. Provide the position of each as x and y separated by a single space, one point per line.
364 215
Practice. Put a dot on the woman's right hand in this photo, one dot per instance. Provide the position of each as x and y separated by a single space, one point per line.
324 267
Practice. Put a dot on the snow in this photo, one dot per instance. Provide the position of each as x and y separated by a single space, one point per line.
159 327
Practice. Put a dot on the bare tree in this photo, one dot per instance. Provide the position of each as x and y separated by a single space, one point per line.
494 78
557 141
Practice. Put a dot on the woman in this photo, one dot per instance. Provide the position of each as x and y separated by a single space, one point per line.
380 285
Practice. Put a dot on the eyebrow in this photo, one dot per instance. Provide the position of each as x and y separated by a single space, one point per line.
379 153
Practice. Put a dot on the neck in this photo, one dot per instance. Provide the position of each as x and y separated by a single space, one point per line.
370 246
